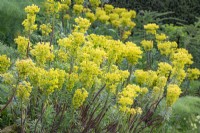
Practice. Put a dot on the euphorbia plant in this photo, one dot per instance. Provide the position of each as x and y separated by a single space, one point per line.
80 81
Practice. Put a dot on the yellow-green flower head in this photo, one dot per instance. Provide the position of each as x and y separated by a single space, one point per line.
164 69
132 52
65 42
173 92
116 23
99 12
127 110
178 75
96 55
78 8
131 24
68 2
24 67
181 57
161 37
115 50
97 40
77 39
53 7
22 44
79 2
82 24
29 23
124 21
161 82
193 74
140 76
36 75
151 79
116 77
104 18
71 81
32 9
64 7
113 16
89 72
128 94
4 63
133 13
90 16
43 53
23 91
147 78
49 81
167 48
108 8
126 99
126 34
119 10
95 3
79 97
62 55
151 28
46 29
126 14
147 45
8 78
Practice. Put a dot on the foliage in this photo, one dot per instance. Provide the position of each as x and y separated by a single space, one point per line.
186 10
186 37
185 115
11 16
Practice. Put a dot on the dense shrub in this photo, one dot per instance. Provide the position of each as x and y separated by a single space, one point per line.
77 71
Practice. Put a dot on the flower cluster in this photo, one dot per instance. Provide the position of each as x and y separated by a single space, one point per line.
89 72
181 58
147 45
8 78
167 48
160 37
77 8
53 7
120 18
193 74
147 78
22 45
126 99
24 67
42 53
24 91
173 92
79 97
29 22
82 25
132 53
90 16
51 80
164 69
45 29
95 3
151 28
33 9
4 63
114 77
